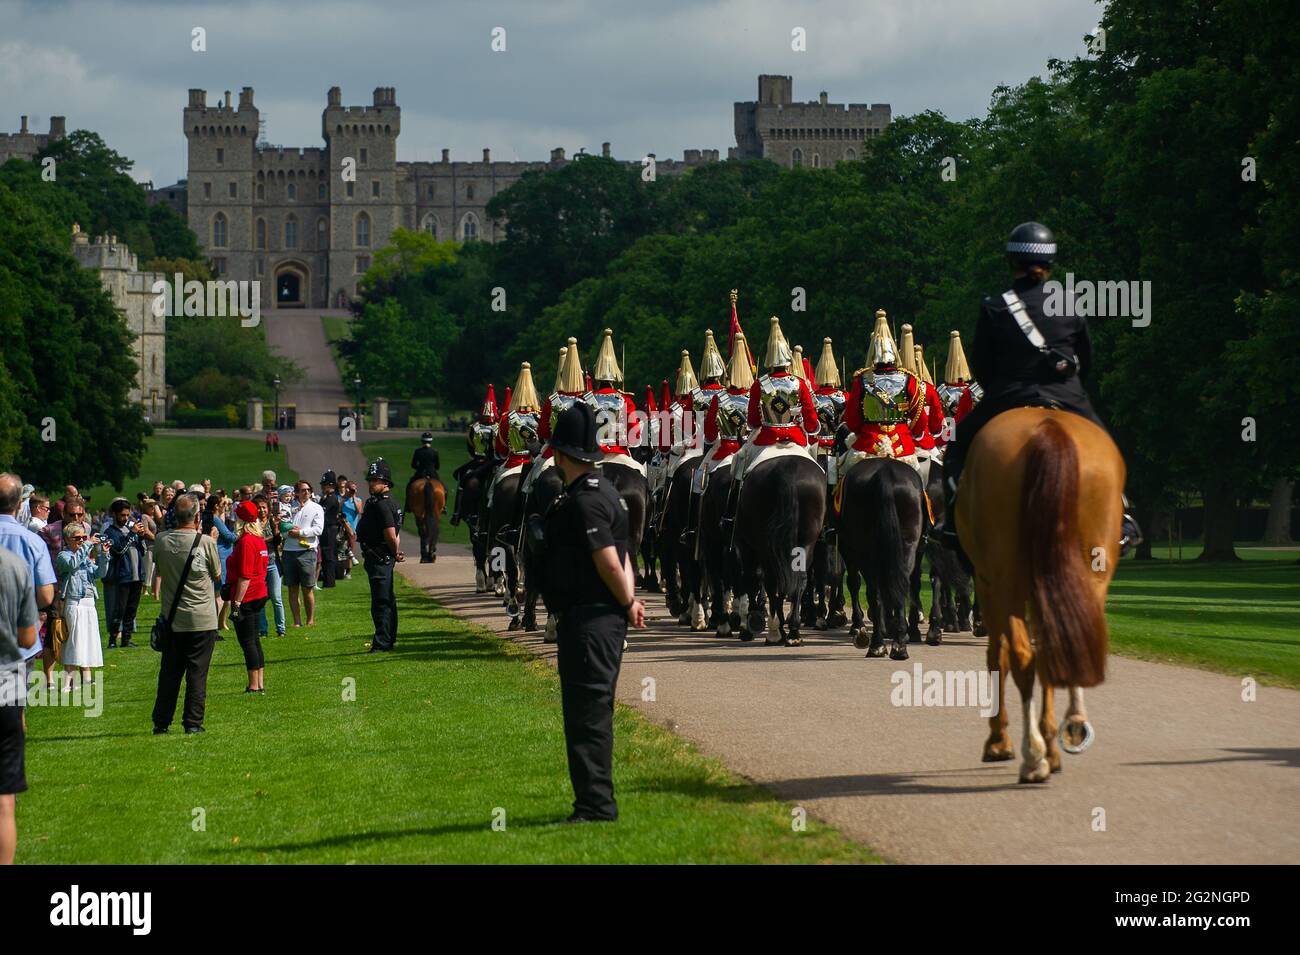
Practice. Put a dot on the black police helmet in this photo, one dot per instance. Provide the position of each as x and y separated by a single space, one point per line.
328 478
1031 243
427 437
379 471
575 433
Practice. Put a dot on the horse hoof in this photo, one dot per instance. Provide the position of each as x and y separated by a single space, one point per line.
898 651
746 635
821 624
684 618
997 753
838 619
724 630
935 638
735 620
794 641
914 637
876 651
961 626
515 623
652 586
773 641
426 560
1036 773
980 630
1076 735
861 639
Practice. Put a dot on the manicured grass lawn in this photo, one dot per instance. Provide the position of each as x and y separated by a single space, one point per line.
229 462
1240 618
397 453
452 727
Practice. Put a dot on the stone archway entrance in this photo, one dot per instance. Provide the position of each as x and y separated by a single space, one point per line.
291 287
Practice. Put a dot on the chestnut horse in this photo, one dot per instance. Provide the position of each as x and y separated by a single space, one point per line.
1039 514
426 501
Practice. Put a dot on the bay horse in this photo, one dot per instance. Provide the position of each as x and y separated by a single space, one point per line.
426 501
779 518
880 526
1039 513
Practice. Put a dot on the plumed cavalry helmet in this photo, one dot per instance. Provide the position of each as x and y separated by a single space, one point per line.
379 471
711 365
1031 243
956 370
778 349
828 373
559 368
882 350
740 373
686 380
923 370
524 396
488 413
796 361
570 378
907 350
606 364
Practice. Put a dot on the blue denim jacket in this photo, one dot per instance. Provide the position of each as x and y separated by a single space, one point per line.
126 555
78 572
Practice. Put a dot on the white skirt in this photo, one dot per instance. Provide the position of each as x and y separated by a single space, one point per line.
83 648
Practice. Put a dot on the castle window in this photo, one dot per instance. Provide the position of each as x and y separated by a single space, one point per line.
322 234
363 231
292 192
261 191
320 191
365 155
291 232
374 188
817 161
219 266
469 191
349 187
428 191
234 190
221 157
850 153
219 231
153 364
469 227
363 264
430 225
260 238
207 190
796 157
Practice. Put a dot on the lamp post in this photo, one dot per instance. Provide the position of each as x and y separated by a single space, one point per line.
356 384
275 418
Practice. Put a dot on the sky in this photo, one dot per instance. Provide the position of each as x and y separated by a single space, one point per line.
649 77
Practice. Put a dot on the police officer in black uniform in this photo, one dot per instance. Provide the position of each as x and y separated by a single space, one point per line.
329 541
378 535
590 586
1017 368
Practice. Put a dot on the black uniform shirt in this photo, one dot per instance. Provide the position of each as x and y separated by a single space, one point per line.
425 461
1010 369
590 516
330 504
379 514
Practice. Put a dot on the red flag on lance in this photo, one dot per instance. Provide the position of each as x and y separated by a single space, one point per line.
735 330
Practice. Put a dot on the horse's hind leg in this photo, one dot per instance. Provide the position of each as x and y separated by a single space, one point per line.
856 630
877 616
1047 727
1077 730
914 601
998 748
1034 767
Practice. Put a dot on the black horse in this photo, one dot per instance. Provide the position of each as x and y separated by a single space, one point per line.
548 485
473 478
880 526
721 560
779 518
679 551
634 489
952 589
644 455
505 517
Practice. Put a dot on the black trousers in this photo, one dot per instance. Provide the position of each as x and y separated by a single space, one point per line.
590 644
186 655
954 452
329 558
246 627
383 603
121 603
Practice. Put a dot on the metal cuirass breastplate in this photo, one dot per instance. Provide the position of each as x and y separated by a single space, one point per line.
482 436
779 398
560 403
522 431
609 409
884 397
830 411
701 398
733 412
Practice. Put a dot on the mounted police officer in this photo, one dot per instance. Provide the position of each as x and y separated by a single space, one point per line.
378 535
589 584
1024 357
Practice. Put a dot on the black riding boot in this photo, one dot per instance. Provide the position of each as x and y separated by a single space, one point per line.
455 510
1130 535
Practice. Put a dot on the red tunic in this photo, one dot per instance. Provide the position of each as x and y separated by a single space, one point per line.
930 423
726 446
868 434
772 433
248 561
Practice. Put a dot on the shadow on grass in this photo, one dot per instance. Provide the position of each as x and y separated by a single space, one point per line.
361 838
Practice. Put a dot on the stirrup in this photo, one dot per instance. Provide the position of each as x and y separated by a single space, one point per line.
1130 535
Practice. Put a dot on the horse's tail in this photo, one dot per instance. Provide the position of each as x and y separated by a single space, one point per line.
892 569
783 537
1067 619
430 510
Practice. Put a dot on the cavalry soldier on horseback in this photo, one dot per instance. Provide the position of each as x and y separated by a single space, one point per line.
781 407
613 408
480 440
712 370
727 425
516 440
1023 358
570 386
829 397
959 392
930 422
884 404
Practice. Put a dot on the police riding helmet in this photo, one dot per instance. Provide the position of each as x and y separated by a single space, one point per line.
379 471
427 437
1031 243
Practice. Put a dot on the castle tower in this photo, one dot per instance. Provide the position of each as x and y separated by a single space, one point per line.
363 212
222 150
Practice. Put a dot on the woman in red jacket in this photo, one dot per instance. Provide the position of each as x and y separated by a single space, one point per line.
246 578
